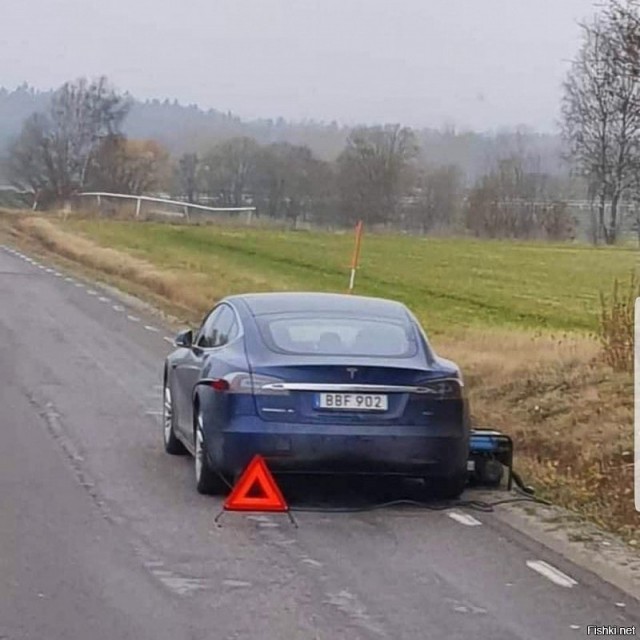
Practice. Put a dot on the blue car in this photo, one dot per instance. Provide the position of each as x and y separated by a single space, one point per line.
315 383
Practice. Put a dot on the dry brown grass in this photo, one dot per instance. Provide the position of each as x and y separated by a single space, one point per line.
617 325
165 284
568 411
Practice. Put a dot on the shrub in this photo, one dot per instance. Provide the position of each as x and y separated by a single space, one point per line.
617 325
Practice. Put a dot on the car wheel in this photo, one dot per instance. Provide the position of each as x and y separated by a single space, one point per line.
450 487
172 445
208 480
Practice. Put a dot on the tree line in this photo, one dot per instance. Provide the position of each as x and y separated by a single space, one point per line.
381 176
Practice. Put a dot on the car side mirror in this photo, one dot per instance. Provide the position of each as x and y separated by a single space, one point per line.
184 339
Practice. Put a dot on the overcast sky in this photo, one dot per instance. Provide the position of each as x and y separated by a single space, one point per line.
473 63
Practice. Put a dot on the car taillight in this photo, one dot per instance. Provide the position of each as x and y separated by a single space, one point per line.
243 382
220 384
449 388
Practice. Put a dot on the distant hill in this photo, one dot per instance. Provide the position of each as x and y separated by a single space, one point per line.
189 128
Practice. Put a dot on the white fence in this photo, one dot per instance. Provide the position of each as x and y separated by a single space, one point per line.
186 206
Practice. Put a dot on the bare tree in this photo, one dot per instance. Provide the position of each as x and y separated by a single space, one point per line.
516 200
601 113
291 183
624 17
228 169
29 164
187 175
53 152
128 166
373 171
436 198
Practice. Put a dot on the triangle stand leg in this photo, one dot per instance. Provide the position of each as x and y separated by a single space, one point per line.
293 521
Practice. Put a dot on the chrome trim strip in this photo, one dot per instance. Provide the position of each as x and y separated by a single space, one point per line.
354 388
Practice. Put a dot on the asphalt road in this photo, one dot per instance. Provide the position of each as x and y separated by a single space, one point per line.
102 535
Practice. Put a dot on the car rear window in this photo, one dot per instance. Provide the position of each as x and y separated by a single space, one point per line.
338 336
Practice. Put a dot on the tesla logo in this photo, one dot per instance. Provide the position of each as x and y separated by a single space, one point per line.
352 372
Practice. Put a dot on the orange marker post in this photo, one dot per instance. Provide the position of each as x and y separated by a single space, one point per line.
356 255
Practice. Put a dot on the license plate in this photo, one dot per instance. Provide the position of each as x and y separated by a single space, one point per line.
353 402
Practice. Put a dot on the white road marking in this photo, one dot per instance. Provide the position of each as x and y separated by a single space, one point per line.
464 518
103 299
148 327
551 573
79 285
69 279
575 627
91 292
40 266
168 339
622 605
117 307
58 275
312 562
49 270
153 413
133 318
236 583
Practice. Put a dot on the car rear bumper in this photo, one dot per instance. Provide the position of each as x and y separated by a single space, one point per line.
350 449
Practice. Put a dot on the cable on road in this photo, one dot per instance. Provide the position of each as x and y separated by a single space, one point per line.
526 495
477 505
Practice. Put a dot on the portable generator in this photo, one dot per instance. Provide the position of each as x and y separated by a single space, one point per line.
490 452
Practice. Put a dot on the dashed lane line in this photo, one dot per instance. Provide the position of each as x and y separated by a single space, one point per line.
551 573
464 518
91 292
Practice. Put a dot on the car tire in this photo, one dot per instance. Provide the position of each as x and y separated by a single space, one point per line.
208 480
172 445
449 487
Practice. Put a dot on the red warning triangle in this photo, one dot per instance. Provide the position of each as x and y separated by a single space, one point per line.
256 478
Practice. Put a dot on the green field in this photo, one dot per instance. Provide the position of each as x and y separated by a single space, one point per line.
447 282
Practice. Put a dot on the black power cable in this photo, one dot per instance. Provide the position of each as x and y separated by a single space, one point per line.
526 495
477 505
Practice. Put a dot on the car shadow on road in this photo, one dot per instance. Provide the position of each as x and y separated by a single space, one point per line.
337 493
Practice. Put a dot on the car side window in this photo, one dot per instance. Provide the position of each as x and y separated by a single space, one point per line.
223 326
219 328
207 335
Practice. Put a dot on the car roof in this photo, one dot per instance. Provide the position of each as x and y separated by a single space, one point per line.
313 302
